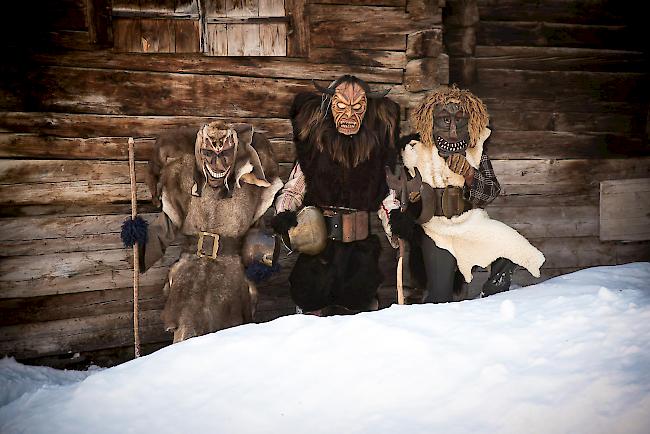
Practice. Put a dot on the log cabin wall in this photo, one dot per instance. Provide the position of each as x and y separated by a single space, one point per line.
70 97
566 85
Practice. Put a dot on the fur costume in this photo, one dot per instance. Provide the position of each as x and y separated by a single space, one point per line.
472 237
343 171
207 294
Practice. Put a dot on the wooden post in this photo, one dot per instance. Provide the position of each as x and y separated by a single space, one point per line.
136 256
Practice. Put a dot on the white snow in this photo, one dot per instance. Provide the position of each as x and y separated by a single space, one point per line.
570 355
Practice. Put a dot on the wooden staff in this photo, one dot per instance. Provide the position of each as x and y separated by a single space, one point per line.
136 256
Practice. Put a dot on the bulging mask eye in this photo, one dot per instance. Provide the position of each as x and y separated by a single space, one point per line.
340 105
356 106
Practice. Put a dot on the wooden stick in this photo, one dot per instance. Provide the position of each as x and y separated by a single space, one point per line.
136 256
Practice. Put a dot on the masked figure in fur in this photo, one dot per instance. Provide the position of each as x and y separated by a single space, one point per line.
214 185
446 220
344 136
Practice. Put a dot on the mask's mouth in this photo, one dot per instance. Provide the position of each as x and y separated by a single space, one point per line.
450 148
217 175
348 127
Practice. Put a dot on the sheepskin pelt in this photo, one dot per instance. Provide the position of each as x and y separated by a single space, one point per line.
473 237
204 296
422 117
340 170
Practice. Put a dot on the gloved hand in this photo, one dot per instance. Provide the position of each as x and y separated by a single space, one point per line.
402 225
457 163
284 221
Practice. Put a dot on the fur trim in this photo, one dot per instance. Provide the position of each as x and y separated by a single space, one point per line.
476 239
423 115
432 167
267 196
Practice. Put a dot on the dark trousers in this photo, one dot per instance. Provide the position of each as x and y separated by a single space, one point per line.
440 268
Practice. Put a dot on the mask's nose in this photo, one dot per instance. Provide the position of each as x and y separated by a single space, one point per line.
453 135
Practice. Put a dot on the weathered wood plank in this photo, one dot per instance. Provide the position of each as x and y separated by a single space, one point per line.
578 86
561 11
216 39
67 306
573 122
354 27
72 264
427 73
69 192
79 334
158 36
559 145
625 209
299 39
317 67
93 125
80 283
542 34
376 58
145 93
187 36
104 148
549 221
52 171
107 148
560 59
74 209
394 3
582 252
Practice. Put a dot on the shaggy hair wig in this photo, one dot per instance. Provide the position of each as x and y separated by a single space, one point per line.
422 117
314 123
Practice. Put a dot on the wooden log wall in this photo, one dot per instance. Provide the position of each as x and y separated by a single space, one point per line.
68 103
567 87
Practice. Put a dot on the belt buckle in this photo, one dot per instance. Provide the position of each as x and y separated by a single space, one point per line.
215 245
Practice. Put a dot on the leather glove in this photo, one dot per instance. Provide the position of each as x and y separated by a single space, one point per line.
284 221
457 163
402 225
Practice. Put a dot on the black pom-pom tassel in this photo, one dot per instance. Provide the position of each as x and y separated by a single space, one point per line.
257 272
134 231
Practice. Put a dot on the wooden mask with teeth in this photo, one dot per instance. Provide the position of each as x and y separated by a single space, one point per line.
349 104
215 153
450 129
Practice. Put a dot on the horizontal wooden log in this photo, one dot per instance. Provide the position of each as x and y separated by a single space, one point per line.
560 11
346 56
68 306
394 3
95 148
79 334
582 252
52 171
549 221
625 209
560 59
84 125
40 146
148 93
543 34
572 105
25 268
280 68
335 26
577 86
69 192
631 125
559 145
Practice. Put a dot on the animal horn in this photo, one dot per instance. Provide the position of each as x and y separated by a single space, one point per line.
321 89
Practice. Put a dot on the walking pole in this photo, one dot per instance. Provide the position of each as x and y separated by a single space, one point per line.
136 256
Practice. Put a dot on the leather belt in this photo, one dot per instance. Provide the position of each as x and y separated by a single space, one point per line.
209 245
449 202
346 224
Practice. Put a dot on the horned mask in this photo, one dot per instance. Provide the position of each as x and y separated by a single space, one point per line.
224 157
348 100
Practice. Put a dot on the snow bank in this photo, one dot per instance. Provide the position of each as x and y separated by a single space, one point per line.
570 355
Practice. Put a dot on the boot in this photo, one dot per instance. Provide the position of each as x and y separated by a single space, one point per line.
500 277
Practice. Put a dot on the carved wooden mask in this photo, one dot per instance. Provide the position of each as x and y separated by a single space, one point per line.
349 104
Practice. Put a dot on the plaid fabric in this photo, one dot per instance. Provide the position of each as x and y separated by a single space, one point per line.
485 187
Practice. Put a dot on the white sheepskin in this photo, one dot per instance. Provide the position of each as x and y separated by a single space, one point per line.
472 237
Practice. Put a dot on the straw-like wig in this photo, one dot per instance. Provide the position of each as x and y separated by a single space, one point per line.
422 117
